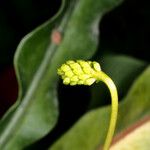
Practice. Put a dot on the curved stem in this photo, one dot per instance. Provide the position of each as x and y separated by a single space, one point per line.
101 76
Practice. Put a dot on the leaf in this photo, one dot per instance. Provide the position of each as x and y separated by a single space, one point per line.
36 61
135 137
27 115
123 70
90 131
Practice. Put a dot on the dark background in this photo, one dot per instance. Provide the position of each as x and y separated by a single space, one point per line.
124 30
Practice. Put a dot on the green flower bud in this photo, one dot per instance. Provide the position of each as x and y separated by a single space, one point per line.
84 77
89 81
65 68
69 73
74 79
66 81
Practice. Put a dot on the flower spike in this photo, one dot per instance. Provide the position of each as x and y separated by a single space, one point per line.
79 72
82 72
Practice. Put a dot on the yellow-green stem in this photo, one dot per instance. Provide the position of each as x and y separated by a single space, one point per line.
101 76
86 73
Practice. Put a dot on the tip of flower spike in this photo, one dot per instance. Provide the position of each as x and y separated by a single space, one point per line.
79 72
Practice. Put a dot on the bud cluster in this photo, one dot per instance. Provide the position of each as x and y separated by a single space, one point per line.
79 72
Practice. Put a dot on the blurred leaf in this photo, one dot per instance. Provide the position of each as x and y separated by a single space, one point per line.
36 62
90 131
123 70
135 137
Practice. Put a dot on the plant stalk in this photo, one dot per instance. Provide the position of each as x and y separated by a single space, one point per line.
101 76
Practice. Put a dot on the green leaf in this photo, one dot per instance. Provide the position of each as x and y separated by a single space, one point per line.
26 121
90 131
123 70
36 61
